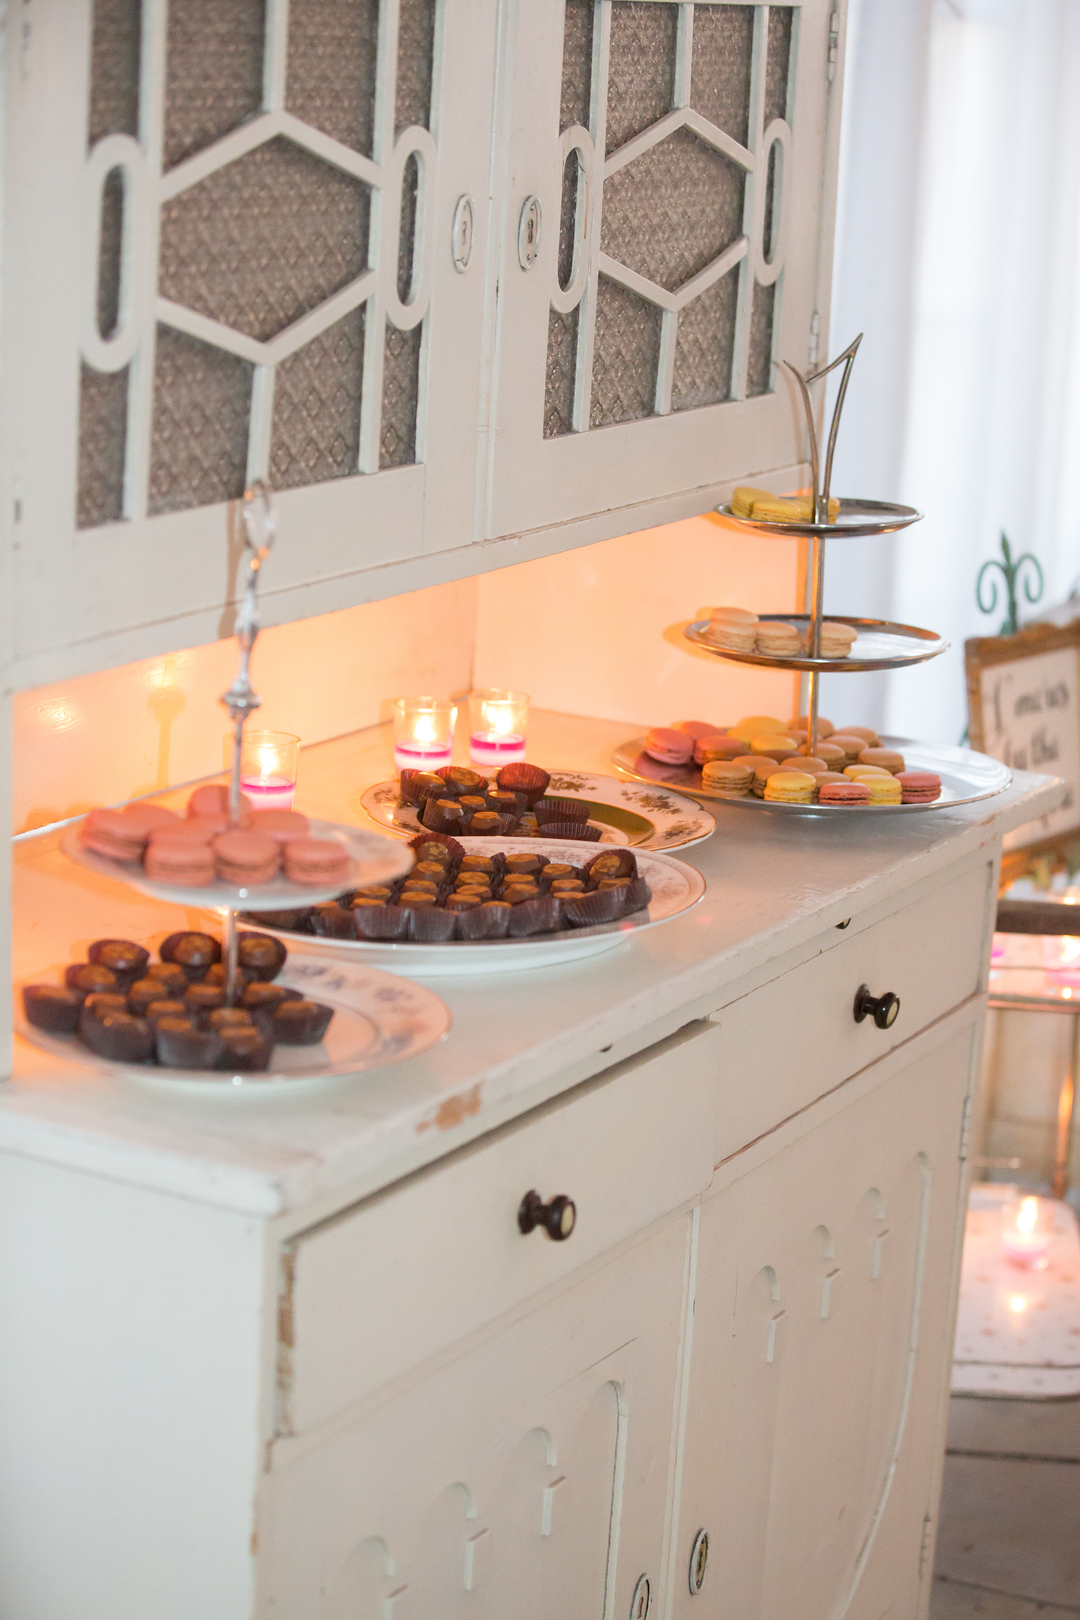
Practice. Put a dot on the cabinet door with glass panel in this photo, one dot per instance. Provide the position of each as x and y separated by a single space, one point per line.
668 186
245 239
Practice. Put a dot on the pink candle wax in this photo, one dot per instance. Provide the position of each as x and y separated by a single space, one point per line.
421 756
495 749
269 792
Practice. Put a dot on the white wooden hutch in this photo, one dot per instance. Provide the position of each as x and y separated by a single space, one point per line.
471 281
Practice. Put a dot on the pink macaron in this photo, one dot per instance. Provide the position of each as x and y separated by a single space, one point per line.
212 799
112 833
696 728
841 793
147 818
179 858
316 861
280 825
245 858
669 746
919 787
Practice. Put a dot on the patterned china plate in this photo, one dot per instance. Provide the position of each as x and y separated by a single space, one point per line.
379 1019
626 812
675 885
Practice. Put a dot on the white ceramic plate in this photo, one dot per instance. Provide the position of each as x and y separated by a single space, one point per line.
624 812
375 858
379 1019
965 777
675 888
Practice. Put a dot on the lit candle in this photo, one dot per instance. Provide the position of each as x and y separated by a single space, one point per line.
268 766
498 722
1026 1228
423 733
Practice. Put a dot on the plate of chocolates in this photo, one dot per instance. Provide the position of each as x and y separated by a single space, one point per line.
168 1019
493 905
527 801
272 858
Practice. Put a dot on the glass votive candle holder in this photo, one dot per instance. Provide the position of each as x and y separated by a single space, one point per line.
1027 1226
423 733
498 722
268 765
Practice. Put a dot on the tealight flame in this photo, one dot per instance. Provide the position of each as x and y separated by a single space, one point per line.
1018 1303
268 760
498 719
1029 1214
424 728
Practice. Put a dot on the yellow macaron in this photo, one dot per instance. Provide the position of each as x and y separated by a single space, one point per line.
857 772
757 725
791 787
883 789
773 746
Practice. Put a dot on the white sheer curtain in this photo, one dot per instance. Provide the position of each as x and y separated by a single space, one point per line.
958 253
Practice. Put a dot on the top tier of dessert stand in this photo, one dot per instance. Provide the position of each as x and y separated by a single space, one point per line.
373 858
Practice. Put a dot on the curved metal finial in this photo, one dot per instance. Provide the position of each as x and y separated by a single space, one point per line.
823 485
1012 572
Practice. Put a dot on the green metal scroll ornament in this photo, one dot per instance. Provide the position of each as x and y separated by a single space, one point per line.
1012 572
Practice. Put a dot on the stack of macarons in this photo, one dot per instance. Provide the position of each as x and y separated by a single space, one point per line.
202 847
767 758
736 629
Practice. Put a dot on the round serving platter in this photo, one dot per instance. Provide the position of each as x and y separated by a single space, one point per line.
854 518
378 1020
965 778
375 859
675 887
622 811
878 644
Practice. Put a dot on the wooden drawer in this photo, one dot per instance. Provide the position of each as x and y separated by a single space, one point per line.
381 1288
791 1040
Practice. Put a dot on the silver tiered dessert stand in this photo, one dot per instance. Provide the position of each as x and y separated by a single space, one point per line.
374 857
879 643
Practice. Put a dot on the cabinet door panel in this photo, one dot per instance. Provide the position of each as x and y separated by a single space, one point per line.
678 158
528 1477
244 270
823 1302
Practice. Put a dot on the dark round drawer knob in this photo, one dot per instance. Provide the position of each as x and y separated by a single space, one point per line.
558 1216
882 1009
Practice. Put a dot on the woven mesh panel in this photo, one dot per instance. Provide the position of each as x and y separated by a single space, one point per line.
626 349
331 67
576 98
776 63
561 370
202 402
114 69
641 80
759 369
720 67
673 210
262 241
401 393
102 436
416 55
213 71
316 433
705 347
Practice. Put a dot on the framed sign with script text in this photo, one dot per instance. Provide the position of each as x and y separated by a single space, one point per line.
1024 709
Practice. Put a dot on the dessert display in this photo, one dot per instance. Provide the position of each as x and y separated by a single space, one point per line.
202 847
175 1013
763 757
462 803
451 894
748 502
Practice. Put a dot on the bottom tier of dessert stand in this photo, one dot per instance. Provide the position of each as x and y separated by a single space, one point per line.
965 778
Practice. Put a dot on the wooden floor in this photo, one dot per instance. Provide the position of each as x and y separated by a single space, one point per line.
1009 1539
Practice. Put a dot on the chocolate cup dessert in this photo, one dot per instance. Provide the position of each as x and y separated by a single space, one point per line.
194 952
261 954
524 778
611 863
572 829
540 916
119 1036
332 921
431 926
122 957
52 1007
180 1044
546 810
380 922
246 1050
300 1022
89 978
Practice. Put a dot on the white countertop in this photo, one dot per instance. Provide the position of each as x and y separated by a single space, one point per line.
517 1038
